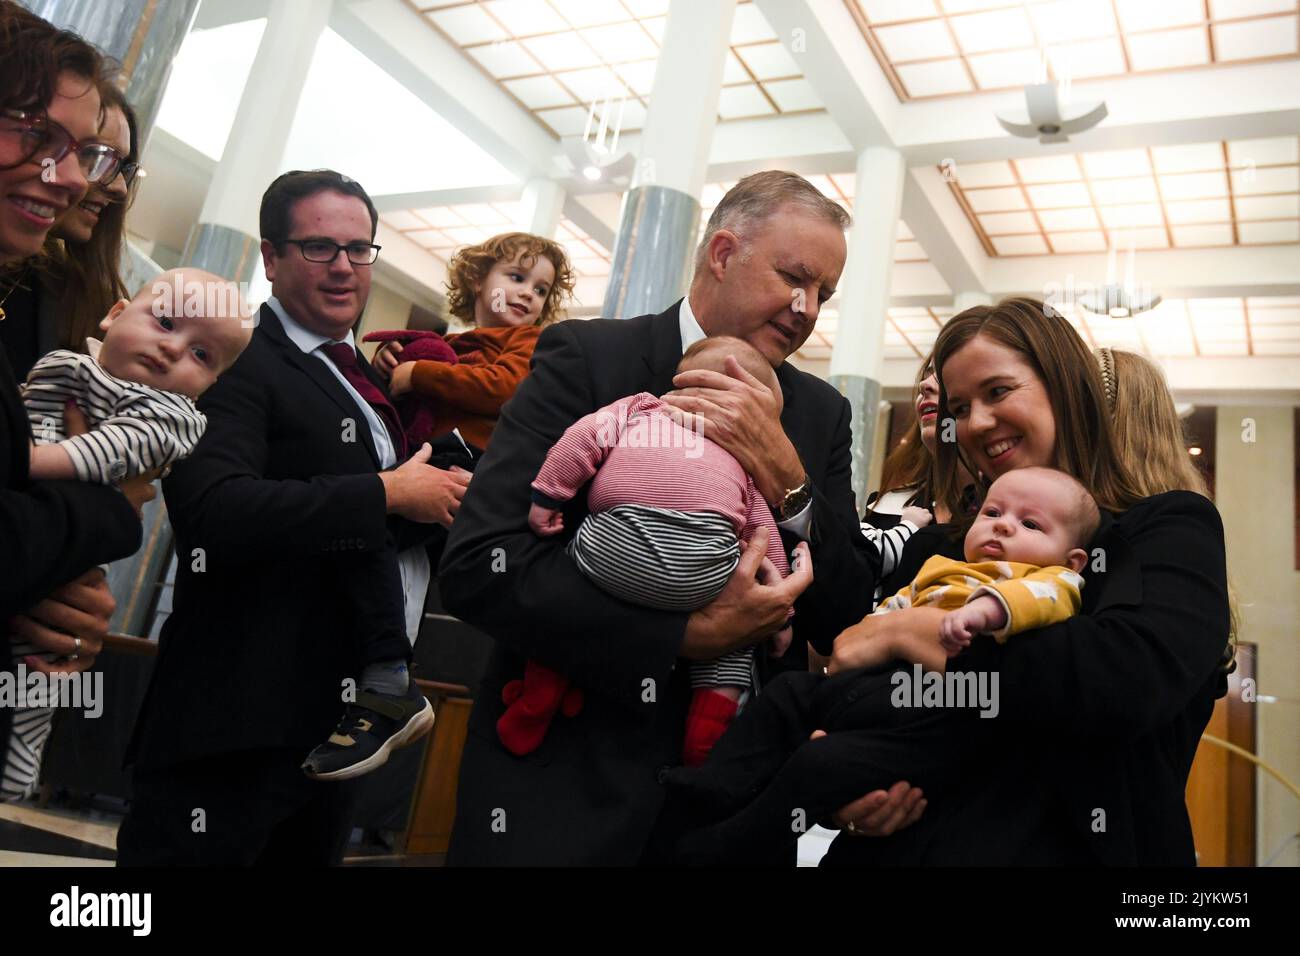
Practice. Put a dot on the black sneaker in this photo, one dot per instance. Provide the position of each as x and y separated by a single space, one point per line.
371 729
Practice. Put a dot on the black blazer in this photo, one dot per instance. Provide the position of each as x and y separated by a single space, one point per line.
50 531
267 512
1103 713
590 793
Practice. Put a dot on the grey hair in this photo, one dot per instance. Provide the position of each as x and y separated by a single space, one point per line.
757 197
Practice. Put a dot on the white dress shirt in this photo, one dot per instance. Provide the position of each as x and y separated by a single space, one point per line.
413 562
798 524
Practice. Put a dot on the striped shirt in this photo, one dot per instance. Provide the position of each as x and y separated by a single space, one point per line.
134 428
638 455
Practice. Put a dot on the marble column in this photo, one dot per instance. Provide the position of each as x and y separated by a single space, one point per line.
143 35
857 360
651 264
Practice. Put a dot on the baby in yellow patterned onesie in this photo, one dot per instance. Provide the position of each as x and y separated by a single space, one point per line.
1023 557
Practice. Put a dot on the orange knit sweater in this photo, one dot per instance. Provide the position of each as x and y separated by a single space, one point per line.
469 395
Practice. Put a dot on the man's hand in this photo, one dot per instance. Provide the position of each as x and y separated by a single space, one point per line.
418 491
77 612
882 812
863 644
140 489
742 415
747 610
980 616
386 358
545 521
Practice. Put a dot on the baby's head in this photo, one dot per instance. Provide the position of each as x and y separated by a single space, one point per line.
181 331
1036 516
711 353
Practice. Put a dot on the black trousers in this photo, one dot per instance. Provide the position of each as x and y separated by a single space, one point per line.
251 808
766 783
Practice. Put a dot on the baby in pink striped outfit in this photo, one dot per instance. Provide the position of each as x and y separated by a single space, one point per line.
669 511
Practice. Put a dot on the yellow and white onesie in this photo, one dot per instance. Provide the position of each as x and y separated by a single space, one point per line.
1032 596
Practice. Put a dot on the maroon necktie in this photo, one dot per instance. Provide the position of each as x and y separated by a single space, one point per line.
345 357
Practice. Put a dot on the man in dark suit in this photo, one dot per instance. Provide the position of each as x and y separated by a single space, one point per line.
289 483
590 794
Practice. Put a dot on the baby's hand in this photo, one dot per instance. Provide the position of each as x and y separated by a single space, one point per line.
981 615
545 521
780 642
918 516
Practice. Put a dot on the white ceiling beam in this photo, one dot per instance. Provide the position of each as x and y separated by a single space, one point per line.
220 13
1229 272
935 218
588 222
398 39
433 198
1252 100
824 39
828 46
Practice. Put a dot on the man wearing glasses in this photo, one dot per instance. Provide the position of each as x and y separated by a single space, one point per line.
292 485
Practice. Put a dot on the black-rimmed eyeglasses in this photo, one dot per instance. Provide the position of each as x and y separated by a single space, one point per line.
326 250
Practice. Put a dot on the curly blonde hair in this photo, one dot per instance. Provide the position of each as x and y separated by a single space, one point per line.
470 266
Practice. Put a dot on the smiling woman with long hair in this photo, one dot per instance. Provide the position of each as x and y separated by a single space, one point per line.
53 532
1100 715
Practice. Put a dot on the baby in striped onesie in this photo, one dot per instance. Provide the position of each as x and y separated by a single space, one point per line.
668 513
137 389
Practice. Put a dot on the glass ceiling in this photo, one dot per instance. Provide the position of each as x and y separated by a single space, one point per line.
1195 195
555 57
932 48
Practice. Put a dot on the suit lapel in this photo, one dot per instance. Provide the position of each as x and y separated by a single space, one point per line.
665 349
324 379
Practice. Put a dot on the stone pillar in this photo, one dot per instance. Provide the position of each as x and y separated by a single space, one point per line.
143 35
661 212
857 360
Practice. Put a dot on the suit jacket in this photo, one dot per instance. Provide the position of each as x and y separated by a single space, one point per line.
1102 713
268 513
590 792
50 531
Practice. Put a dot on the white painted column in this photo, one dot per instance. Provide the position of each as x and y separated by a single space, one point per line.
540 207
226 237
661 212
857 361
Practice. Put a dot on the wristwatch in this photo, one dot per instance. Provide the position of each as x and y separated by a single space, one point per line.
794 500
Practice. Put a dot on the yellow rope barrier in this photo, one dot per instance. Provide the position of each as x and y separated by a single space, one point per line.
1243 752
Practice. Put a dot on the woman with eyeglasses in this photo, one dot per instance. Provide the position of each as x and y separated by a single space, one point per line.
60 295
50 532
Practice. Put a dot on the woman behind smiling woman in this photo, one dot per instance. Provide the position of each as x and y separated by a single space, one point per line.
1101 714
510 287
61 294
